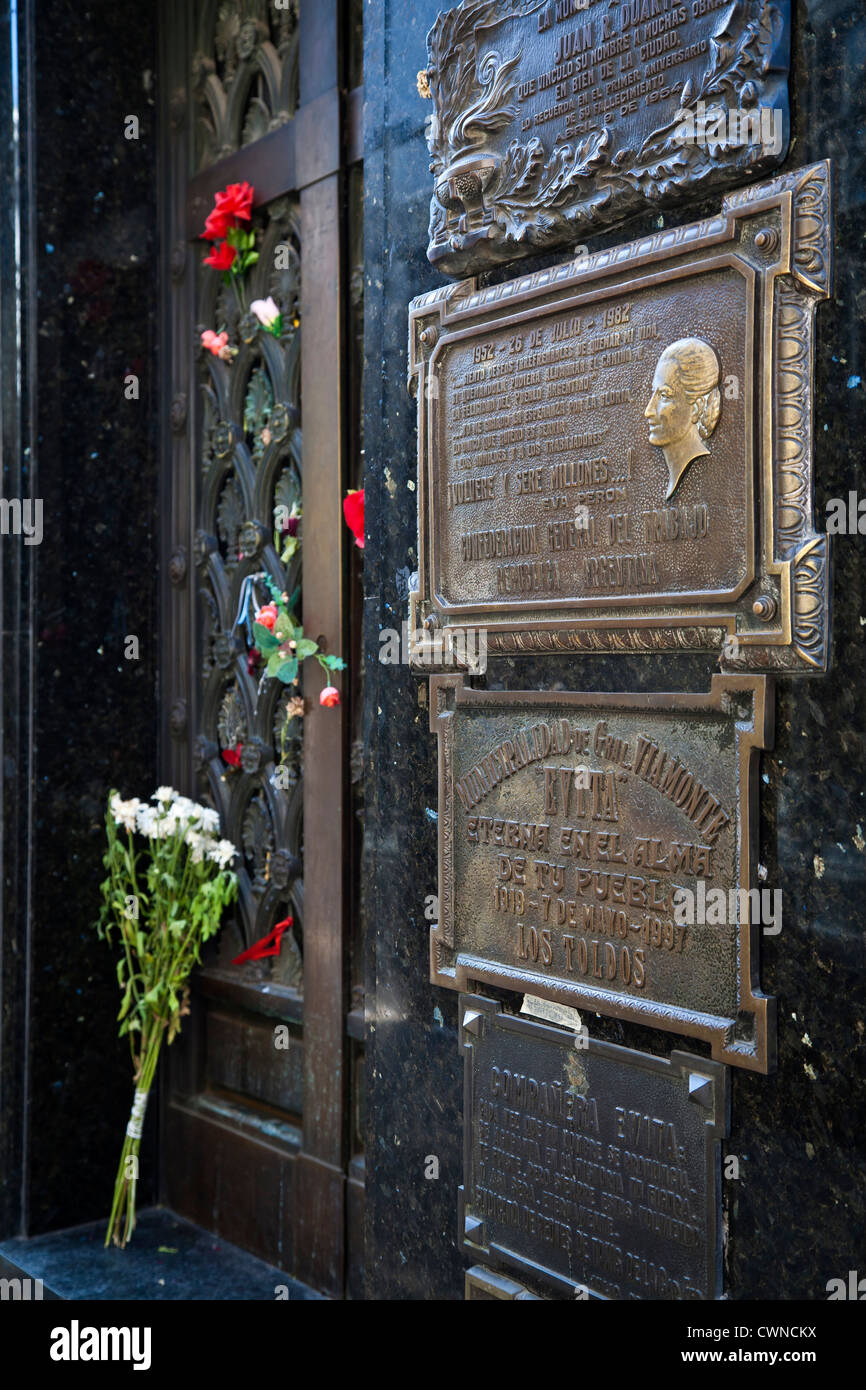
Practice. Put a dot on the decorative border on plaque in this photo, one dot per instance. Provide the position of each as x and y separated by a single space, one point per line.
704 1085
744 1037
778 233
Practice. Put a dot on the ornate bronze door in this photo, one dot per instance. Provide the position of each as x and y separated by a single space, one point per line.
258 1141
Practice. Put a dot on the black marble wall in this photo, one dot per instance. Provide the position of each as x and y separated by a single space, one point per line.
84 711
795 1216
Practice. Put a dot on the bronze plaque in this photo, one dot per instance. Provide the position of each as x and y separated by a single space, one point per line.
552 120
593 1171
597 850
616 453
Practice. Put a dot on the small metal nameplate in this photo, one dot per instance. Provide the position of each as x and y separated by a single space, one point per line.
590 1172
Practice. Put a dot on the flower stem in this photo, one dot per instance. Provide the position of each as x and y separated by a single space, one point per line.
241 304
121 1222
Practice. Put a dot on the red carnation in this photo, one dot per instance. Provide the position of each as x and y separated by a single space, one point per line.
221 257
329 697
353 511
235 201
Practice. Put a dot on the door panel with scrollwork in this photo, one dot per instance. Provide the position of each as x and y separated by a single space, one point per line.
249 745
242 1154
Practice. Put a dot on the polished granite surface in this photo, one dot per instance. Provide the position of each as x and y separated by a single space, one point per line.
796 1216
167 1258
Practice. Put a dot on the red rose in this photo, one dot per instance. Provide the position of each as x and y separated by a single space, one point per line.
330 696
267 616
217 224
235 201
221 256
353 511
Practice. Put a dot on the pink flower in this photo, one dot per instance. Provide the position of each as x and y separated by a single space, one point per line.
266 311
267 616
330 696
214 342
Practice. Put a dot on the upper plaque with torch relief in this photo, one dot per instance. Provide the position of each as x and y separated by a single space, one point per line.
553 118
616 453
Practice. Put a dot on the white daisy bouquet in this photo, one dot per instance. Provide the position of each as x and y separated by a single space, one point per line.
164 900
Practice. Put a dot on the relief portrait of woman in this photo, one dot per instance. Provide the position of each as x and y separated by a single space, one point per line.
685 404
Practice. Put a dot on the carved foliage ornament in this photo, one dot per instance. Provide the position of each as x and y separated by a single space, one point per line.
245 73
551 120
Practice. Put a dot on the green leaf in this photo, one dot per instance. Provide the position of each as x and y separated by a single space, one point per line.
265 639
333 663
288 671
305 648
276 661
127 999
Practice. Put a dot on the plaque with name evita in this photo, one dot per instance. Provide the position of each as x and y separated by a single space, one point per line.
615 454
554 118
590 1170
598 850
